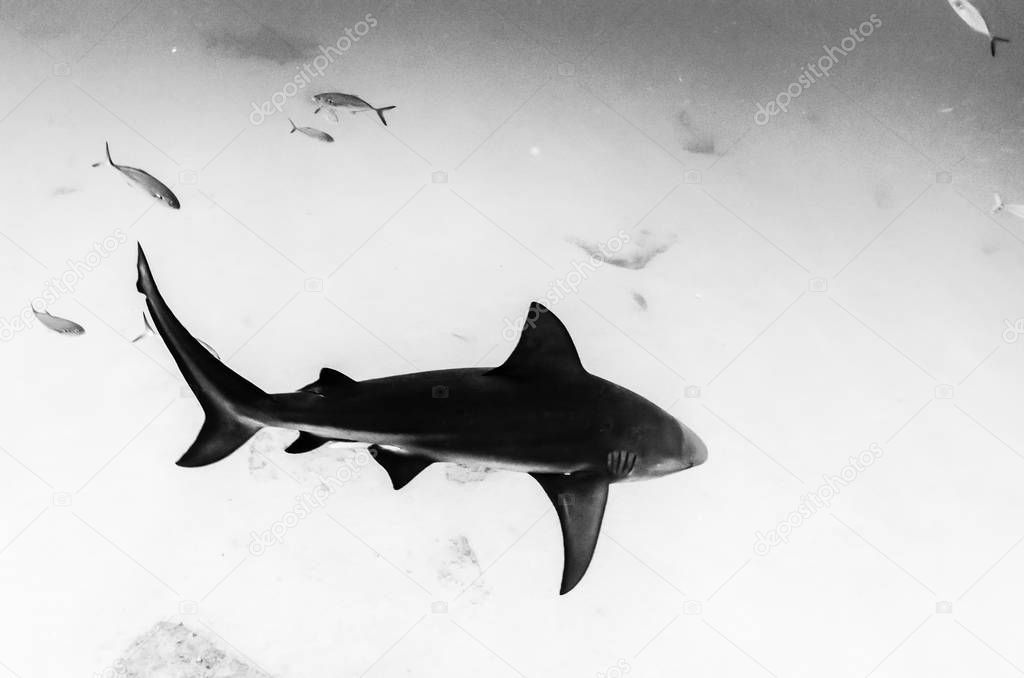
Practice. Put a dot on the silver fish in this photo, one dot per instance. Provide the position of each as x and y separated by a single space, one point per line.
1014 209
148 331
311 132
146 182
973 18
57 324
350 102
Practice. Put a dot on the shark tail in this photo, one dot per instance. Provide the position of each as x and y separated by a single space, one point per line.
993 41
109 159
380 113
294 128
234 407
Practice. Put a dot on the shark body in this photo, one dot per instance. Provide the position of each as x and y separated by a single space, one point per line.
540 413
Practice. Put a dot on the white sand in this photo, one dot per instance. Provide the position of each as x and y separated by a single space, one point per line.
828 272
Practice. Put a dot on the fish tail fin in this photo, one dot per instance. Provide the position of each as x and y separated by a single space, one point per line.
109 159
294 128
993 41
380 113
235 408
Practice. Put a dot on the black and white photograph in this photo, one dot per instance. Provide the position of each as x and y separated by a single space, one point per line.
520 339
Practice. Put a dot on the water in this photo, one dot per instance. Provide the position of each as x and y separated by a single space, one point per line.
824 285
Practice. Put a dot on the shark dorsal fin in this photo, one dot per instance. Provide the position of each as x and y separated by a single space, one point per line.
544 347
329 380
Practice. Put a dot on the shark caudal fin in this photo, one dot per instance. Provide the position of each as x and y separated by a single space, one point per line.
230 402
294 128
380 113
992 43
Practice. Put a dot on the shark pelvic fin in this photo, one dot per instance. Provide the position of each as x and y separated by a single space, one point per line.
579 502
306 442
329 380
544 346
401 467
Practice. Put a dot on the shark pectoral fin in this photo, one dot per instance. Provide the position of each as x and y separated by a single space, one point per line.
401 468
329 380
579 502
306 442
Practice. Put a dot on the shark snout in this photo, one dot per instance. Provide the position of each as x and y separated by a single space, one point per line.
698 451
695 452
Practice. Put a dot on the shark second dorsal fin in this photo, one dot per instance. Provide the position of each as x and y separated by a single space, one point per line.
544 347
329 380
579 502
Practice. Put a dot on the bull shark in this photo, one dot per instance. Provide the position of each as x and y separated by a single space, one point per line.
540 412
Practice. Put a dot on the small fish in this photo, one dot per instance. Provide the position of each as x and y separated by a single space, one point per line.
1014 209
146 182
148 331
972 17
351 102
311 132
59 325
